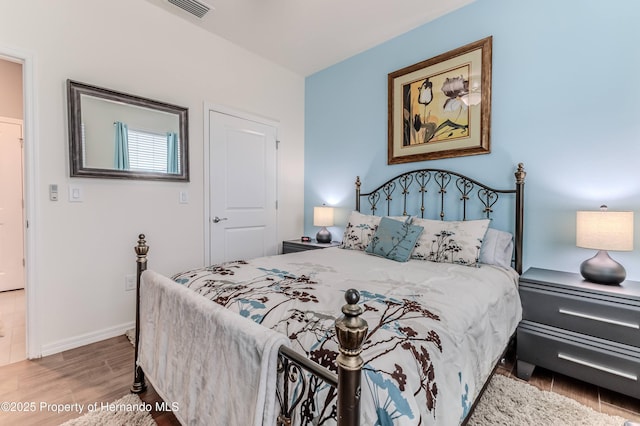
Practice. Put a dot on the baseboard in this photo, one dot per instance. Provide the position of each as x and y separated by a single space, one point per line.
85 339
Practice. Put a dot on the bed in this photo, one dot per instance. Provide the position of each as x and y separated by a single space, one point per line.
428 288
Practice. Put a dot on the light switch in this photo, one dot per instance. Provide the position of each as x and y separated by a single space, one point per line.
75 194
184 197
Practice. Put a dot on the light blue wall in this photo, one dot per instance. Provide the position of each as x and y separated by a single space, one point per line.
566 103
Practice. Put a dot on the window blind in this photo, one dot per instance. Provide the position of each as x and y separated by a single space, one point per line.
147 151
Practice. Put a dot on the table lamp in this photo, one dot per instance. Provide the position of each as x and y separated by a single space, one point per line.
323 216
604 230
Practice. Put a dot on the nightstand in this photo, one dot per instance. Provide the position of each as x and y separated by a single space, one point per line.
583 330
292 246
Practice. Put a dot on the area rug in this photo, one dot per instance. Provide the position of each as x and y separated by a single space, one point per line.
507 402
512 402
131 335
128 410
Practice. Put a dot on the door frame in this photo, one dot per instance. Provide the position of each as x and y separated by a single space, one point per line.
222 109
30 191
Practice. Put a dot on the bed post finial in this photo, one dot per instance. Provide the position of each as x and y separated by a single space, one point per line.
142 249
520 173
351 330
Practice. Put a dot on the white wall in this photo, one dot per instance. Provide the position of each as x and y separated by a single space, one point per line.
84 250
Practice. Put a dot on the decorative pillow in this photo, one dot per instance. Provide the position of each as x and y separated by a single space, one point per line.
450 242
497 248
360 229
394 239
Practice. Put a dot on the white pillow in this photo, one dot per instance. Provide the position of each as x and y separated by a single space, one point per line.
450 241
497 248
360 229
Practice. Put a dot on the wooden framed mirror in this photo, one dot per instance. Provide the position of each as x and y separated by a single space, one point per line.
122 136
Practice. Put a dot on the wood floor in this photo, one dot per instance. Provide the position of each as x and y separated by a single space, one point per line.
12 326
102 372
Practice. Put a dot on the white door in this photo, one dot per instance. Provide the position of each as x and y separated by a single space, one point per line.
11 213
242 188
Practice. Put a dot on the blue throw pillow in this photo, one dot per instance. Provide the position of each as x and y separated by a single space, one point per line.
394 240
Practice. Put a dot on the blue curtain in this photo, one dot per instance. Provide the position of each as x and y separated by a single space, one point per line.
121 157
172 153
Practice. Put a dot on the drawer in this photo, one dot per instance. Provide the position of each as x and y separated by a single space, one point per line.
612 366
594 316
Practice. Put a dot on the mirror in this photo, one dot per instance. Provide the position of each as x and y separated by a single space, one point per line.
122 136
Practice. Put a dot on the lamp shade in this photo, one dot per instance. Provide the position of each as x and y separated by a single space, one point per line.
604 230
323 216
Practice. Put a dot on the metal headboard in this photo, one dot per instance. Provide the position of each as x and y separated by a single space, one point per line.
426 191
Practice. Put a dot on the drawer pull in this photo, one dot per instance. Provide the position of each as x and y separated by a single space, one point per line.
601 319
598 367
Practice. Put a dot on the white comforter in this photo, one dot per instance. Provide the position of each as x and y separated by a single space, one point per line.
447 325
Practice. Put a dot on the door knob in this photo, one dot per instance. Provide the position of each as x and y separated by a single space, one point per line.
219 219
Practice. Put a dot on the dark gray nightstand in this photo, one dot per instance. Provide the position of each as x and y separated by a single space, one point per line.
583 330
292 246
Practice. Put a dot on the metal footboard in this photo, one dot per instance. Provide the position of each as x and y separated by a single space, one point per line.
351 331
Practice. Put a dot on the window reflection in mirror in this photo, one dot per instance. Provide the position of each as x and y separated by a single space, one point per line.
117 135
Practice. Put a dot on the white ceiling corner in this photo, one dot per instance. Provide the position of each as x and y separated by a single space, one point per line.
306 36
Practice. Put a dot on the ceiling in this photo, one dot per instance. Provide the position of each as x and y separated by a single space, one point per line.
306 36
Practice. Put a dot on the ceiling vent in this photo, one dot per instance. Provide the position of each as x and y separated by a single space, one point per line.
194 7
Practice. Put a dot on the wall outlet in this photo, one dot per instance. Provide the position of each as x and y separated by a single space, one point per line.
129 282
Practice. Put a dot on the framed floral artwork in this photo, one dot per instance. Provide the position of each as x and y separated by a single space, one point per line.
441 107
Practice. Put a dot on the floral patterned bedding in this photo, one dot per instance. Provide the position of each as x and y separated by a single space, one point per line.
435 330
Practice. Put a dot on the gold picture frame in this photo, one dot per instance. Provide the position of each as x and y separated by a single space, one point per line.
441 107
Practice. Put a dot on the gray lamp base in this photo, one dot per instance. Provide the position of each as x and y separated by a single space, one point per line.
602 269
323 236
